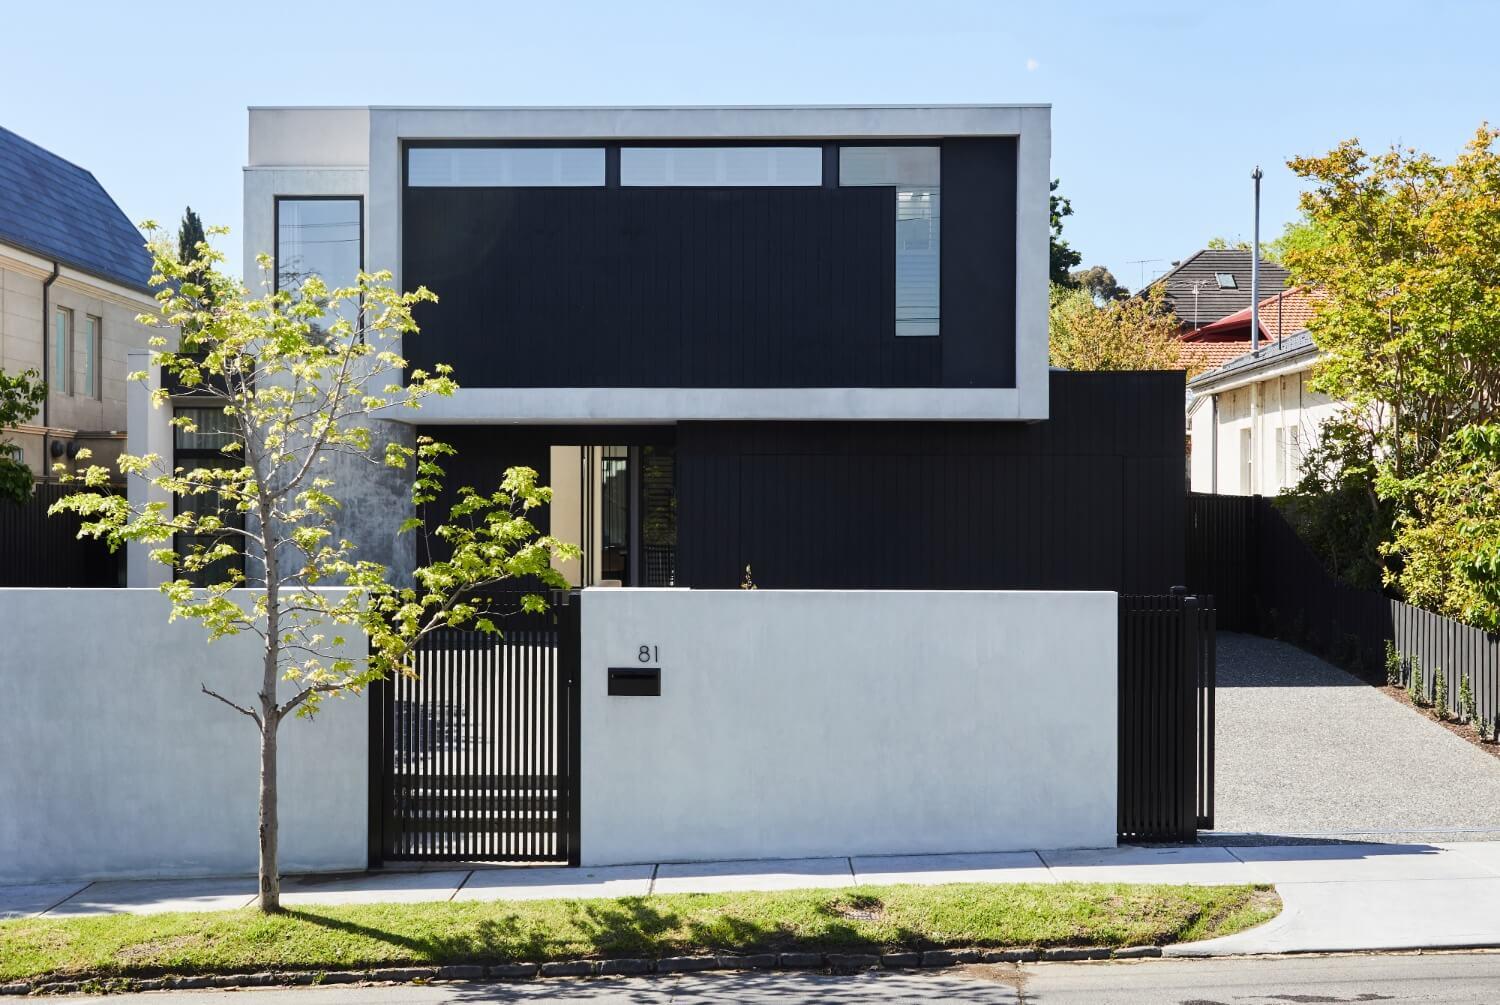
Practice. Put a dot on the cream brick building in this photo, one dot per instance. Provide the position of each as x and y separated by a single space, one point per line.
73 277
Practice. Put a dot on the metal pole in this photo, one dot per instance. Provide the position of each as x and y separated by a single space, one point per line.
1255 270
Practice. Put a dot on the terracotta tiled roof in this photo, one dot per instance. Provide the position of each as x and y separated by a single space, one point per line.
1204 356
1283 314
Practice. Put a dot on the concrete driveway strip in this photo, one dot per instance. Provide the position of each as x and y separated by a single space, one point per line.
1369 916
549 883
372 888
1131 864
25 901
779 874
135 896
930 870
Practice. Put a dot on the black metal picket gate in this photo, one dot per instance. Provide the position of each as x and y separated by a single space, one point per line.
475 758
1167 675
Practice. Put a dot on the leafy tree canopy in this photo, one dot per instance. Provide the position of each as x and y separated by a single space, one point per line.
1139 333
21 396
1063 259
1100 284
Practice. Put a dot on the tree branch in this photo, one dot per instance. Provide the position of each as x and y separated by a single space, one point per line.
234 705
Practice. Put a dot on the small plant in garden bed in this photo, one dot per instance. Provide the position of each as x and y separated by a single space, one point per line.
1440 693
1414 684
1392 664
1466 709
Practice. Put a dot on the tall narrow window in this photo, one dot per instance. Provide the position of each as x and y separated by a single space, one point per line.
61 377
320 237
93 332
202 446
915 174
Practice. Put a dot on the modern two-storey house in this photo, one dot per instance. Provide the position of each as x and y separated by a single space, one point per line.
807 340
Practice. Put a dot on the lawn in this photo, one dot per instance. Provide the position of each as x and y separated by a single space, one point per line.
872 918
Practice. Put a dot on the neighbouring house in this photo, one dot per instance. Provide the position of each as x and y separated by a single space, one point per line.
1252 420
73 278
1281 314
1214 283
734 337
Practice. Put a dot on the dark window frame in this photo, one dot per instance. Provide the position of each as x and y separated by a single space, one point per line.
276 202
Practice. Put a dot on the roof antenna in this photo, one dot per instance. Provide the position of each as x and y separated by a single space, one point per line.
1255 270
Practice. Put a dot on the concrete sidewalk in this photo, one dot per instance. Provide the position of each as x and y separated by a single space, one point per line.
1337 896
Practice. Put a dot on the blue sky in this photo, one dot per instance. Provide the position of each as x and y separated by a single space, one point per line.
1160 110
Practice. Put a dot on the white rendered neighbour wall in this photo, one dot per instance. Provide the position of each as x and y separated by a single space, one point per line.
113 763
804 723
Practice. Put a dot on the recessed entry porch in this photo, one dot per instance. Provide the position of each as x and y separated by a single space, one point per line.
613 492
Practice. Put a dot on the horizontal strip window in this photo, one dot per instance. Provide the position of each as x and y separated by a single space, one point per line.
915 174
505 167
733 167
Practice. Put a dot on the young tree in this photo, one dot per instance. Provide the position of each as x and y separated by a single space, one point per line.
1135 334
21 394
298 391
1062 258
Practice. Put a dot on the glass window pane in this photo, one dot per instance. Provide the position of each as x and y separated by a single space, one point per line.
319 237
214 430
61 377
914 172
721 166
91 358
500 167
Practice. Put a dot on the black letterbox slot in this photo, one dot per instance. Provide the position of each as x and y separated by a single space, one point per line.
642 682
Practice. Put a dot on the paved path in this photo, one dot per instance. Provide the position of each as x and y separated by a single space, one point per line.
1305 749
1458 979
1338 896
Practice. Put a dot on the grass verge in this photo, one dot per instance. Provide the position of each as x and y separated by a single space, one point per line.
881 918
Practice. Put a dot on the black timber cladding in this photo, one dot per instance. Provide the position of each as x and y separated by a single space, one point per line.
1090 499
710 287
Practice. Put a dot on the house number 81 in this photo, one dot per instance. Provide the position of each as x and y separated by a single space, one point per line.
649 654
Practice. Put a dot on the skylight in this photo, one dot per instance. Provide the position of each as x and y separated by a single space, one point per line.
1226 280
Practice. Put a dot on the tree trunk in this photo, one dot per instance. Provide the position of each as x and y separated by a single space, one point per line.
270 876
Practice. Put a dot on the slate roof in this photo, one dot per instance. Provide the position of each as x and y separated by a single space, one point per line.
55 209
1199 270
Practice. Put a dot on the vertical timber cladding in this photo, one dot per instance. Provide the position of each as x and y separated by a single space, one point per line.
712 287
1091 498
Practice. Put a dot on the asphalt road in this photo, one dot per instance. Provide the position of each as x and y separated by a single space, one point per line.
1446 978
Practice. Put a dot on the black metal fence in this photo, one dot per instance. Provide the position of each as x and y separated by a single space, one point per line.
475 757
1269 582
37 550
1167 675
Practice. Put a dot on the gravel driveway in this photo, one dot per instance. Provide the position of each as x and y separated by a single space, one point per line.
1304 750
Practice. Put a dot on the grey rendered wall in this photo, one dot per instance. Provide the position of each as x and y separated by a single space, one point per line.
113 763
802 723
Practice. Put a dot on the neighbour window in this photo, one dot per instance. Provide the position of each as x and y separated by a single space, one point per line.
61 377
1225 280
93 330
320 237
504 167
194 449
721 166
914 172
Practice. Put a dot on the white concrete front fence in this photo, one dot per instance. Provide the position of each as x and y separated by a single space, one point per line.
796 723
114 763
788 724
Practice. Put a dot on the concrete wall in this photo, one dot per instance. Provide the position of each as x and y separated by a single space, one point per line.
113 763
802 723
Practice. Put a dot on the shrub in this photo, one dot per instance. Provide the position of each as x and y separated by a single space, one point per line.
1414 689
1393 664
1466 710
1440 692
